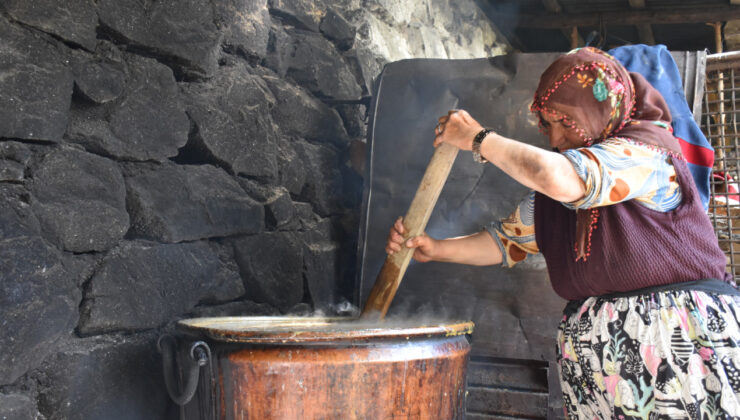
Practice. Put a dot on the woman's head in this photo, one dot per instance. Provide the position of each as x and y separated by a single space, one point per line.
583 97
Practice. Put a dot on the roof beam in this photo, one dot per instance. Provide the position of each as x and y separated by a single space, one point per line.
553 6
644 30
629 17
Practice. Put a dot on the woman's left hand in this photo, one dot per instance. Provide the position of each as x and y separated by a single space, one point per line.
457 128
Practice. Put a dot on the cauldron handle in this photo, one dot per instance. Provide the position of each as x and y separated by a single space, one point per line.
200 354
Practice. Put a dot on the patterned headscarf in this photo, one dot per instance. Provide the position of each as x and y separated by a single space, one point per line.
592 93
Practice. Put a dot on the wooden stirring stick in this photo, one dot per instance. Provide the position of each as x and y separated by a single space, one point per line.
414 224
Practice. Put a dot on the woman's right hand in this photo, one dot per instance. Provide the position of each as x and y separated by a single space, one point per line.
424 245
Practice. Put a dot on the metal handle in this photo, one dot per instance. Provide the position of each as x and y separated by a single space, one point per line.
200 355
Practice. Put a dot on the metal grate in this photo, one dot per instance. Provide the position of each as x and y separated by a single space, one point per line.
720 125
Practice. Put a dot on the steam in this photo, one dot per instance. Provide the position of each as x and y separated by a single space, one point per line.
404 314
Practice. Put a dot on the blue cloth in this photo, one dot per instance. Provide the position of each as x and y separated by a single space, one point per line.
656 64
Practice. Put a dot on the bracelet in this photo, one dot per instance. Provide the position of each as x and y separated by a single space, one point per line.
476 145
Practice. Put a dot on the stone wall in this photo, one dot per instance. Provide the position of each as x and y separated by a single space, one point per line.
178 158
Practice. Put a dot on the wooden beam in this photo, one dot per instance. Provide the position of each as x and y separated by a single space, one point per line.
644 30
628 17
553 6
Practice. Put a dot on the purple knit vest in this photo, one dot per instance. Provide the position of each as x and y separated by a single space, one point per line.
633 247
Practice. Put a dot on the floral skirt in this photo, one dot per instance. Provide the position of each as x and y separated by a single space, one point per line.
665 355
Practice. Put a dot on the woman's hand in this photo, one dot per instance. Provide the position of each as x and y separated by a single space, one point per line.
457 128
423 244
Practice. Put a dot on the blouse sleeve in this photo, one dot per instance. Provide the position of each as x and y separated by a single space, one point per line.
515 234
618 170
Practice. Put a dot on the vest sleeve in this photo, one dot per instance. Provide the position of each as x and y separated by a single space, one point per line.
618 170
515 234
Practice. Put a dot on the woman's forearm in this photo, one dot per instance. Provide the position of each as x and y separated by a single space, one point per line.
476 249
547 172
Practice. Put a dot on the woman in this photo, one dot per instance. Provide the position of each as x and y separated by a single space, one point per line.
651 329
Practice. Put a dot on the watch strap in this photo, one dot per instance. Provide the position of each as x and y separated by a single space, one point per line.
476 145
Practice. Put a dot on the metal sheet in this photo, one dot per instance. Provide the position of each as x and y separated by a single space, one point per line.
692 66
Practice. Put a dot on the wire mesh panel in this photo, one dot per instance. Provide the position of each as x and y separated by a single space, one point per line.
720 125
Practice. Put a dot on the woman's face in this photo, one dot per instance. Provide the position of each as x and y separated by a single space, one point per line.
561 137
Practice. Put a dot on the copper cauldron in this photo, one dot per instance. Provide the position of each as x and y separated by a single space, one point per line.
319 368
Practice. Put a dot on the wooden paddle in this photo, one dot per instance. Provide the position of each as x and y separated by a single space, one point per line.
414 223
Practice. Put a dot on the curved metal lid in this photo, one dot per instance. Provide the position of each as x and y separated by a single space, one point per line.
303 330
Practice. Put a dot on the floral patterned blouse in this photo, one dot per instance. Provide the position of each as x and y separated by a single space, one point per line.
614 170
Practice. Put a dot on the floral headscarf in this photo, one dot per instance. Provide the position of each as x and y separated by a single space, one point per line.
592 93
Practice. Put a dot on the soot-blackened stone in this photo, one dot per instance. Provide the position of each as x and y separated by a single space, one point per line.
16 218
306 14
354 120
323 187
80 200
146 122
336 28
321 265
110 377
271 266
279 208
242 308
71 20
247 26
291 169
318 66
182 33
299 114
13 159
97 79
233 124
16 406
142 285
175 203
38 304
35 86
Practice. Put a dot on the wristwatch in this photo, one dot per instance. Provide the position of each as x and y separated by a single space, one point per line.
476 145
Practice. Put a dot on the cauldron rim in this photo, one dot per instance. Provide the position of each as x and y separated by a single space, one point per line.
306 330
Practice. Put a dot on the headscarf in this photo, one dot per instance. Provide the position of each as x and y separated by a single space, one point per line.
595 95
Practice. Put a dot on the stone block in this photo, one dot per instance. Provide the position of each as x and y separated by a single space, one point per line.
142 285
353 116
306 14
321 264
16 218
291 169
38 304
14 157
182 33
175 203
35 86
247 26
317 65
147 121
71 20
111 378
279 208
232 121
242 308
299 114
323 187
80 200
99 80
16 406
271 265
335 27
